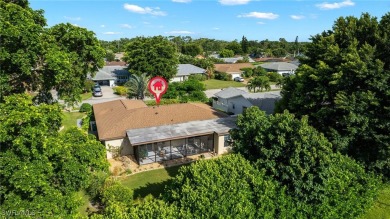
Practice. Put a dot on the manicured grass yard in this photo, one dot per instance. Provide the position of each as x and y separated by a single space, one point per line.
86 96
381 207
218 84
70 119
150 182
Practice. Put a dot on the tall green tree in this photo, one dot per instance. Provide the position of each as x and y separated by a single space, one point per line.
244 45
155 56
235 46
259 83
343 85
225 53
41 169
301 159
191 49
137 86
227 187
35 58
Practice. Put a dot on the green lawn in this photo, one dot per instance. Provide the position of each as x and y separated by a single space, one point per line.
150 182
218 84
85 200
86 96
381 207
70 118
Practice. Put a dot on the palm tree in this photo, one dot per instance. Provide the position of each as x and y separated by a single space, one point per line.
137 86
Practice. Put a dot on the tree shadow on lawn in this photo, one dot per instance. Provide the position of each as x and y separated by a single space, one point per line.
157 188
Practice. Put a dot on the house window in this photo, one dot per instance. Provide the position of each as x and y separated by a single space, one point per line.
227 141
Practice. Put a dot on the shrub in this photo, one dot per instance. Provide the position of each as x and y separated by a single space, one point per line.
274 76
248 72
183 99
223 76
120 90
95 185
85 108
198 77
198 96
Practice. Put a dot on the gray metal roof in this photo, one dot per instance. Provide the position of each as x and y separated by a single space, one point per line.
102 75
182 130
265 101
111 73
279 66
188 69
230 92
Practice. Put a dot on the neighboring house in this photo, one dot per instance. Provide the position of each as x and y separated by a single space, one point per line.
233 69
110 75
185 70
235 101
231 60
283 68
235 59
153 134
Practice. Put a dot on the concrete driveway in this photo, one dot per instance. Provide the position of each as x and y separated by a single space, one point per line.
108 95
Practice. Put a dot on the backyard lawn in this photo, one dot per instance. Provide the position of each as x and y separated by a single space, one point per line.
218 84
70 119
150 182
381 207
154 181
86 96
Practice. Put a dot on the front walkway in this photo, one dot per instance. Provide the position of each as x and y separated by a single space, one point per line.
123 165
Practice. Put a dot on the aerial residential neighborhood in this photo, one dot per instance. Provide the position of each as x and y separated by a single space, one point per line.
194 109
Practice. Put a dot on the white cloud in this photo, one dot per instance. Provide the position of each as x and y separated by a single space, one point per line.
297 17
336 5
76 25
179 32
72 18
111 33
140 10
261 15
103 26
234 2
182 1
260 22
216 28
126 26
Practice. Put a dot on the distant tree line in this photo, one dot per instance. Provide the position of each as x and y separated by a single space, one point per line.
204 46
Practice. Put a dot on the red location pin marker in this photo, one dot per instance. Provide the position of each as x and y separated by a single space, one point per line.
157 86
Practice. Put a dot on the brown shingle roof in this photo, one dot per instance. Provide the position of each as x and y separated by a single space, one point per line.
232 68
115 117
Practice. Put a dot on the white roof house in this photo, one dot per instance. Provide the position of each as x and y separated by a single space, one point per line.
235 101
109 75
280 67
185 70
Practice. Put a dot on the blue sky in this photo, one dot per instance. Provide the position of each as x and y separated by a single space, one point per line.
216 19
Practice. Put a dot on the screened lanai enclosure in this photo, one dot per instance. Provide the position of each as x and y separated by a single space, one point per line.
155 144
173 149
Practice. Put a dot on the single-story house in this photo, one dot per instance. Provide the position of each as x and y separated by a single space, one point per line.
233 69
235 101
231 60
153 134
111 74
283 68
185 70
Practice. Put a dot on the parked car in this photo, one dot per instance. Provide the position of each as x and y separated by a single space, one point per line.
239 79
97 92
96 86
